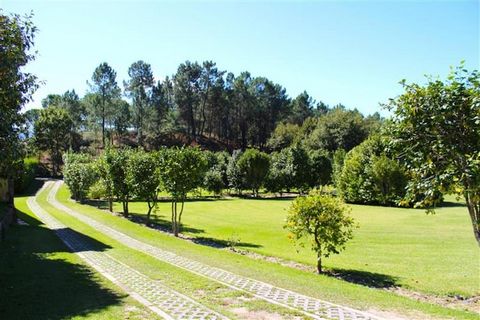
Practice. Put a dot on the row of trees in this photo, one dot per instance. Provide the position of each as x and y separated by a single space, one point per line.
125 174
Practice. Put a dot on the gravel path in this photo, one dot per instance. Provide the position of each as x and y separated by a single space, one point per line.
162 300
315 308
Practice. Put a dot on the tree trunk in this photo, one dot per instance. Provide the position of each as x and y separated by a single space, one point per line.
11 198
180 216
175 225
474 212
149 211
319 263
110 204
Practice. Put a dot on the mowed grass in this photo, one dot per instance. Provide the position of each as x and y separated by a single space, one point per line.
41 279
309 283
435 254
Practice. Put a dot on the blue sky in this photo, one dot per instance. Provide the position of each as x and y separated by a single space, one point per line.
347 52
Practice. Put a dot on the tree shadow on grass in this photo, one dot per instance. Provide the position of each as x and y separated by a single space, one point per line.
36 284
164 225
219 243
364 278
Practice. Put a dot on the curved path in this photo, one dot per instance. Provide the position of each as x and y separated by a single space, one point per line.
312 307
159 298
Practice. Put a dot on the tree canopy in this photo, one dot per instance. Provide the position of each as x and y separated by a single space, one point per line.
436 131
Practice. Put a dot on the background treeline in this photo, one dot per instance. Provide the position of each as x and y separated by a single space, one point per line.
199 105
253 136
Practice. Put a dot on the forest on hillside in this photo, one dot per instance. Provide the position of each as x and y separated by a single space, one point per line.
198 105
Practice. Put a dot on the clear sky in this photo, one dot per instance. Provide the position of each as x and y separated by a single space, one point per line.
347 52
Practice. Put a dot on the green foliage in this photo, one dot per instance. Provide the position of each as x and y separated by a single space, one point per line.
369 176
324 220
235 177
142 178
79 174
104 86
27 174
254 165
437 129
98 190
320 168
213 181
181 171
16 88
301 168
283 136
280 176
338 129
139 88
115 175
52 134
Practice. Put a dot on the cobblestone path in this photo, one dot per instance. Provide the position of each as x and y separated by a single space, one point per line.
312 307
162 300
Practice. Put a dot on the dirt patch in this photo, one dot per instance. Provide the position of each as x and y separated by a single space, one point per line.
456 302
244 313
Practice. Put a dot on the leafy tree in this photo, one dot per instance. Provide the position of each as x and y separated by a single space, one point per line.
280 175
323 219
283 136
139 88
71 103
17 36
52 133
121 117
235 177
370 176
181 171
117 166
436 129
79 174
301 168
104 84
216 176
143 178
254 166
302 108
338 129
213 181
320 168
187 94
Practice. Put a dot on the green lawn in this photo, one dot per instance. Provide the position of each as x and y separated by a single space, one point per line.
41 279
319 286
431 253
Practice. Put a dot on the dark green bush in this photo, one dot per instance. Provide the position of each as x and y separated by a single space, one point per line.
370 176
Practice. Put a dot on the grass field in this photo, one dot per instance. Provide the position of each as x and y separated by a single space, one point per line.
41 279
319 286
436 254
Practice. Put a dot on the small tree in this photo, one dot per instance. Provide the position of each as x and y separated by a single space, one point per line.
117 162
52 132
436 129
254 166
322 218
143 179
235 177
79 174
181 171
280 175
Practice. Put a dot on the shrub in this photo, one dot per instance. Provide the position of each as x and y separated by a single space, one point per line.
323 219
369 176
79 174
254 166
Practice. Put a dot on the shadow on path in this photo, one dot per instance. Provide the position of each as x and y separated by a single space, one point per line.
37 283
